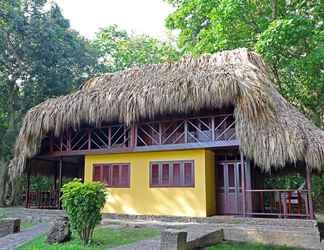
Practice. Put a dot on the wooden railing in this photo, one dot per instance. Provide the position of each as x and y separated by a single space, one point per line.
191 131
42 199
278 203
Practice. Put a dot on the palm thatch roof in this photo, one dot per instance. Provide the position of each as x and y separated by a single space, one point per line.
271 131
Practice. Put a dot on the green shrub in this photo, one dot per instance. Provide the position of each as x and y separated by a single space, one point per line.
82 203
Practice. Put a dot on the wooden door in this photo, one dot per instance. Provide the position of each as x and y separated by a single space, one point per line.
229 190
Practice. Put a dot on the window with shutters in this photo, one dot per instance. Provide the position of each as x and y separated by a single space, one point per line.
172 174
112 175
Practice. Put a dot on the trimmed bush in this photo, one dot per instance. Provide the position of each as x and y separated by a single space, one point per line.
82 203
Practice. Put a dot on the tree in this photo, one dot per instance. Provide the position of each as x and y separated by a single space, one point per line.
288 34
119 50
40 57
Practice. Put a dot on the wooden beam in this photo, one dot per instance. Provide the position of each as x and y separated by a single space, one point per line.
28 182
60 181
55 177
152 148
186 130
309 192
243 184
213 128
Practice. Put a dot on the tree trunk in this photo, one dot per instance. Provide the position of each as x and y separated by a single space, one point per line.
274 8
3 182
13 189
7 144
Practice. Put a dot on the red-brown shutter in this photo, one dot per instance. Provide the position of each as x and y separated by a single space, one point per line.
176 175
165 174
155 174
188 174
125 175
96 174
115 175
106 174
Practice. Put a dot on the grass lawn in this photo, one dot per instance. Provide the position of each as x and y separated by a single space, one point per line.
103 239
246 246
26 224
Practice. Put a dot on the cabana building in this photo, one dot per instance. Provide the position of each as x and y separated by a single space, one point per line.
192 138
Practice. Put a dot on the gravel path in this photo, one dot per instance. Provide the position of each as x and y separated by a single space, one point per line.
11 241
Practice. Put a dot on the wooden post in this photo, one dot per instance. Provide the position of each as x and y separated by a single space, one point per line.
243 184
55 177
60 181
160 133
186 131
213 128
309 192
133 131
89 139
28 182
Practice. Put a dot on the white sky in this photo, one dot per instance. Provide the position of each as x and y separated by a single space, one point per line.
138 16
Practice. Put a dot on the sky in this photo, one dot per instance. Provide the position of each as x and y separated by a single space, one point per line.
138 16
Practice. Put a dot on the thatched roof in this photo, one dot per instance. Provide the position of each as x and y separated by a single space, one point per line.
271 131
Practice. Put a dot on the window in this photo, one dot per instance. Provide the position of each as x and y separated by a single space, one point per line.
112 175
172 174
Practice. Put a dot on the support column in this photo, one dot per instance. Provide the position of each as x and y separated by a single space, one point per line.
133 134
309 192
55 177
28 183
60 181
243 184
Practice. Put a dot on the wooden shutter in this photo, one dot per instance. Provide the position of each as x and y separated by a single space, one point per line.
165 174
188 174
155 174
125 175
172 174
106 173
176 175
115 175
96 174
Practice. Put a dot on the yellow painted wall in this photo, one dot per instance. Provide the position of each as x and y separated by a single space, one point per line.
141 199
210 183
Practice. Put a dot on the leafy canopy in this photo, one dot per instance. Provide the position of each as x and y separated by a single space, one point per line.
120 50
288 34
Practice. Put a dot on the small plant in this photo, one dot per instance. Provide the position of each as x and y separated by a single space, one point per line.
82 203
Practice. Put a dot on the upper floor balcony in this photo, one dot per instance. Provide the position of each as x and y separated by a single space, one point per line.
195 132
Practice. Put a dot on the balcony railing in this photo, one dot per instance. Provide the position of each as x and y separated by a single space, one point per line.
279 203
42 199
196 131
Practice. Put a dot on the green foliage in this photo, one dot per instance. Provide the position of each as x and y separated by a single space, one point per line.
82 203
40 57
103 238
296 181
119 50
318 192
284 182
289 35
